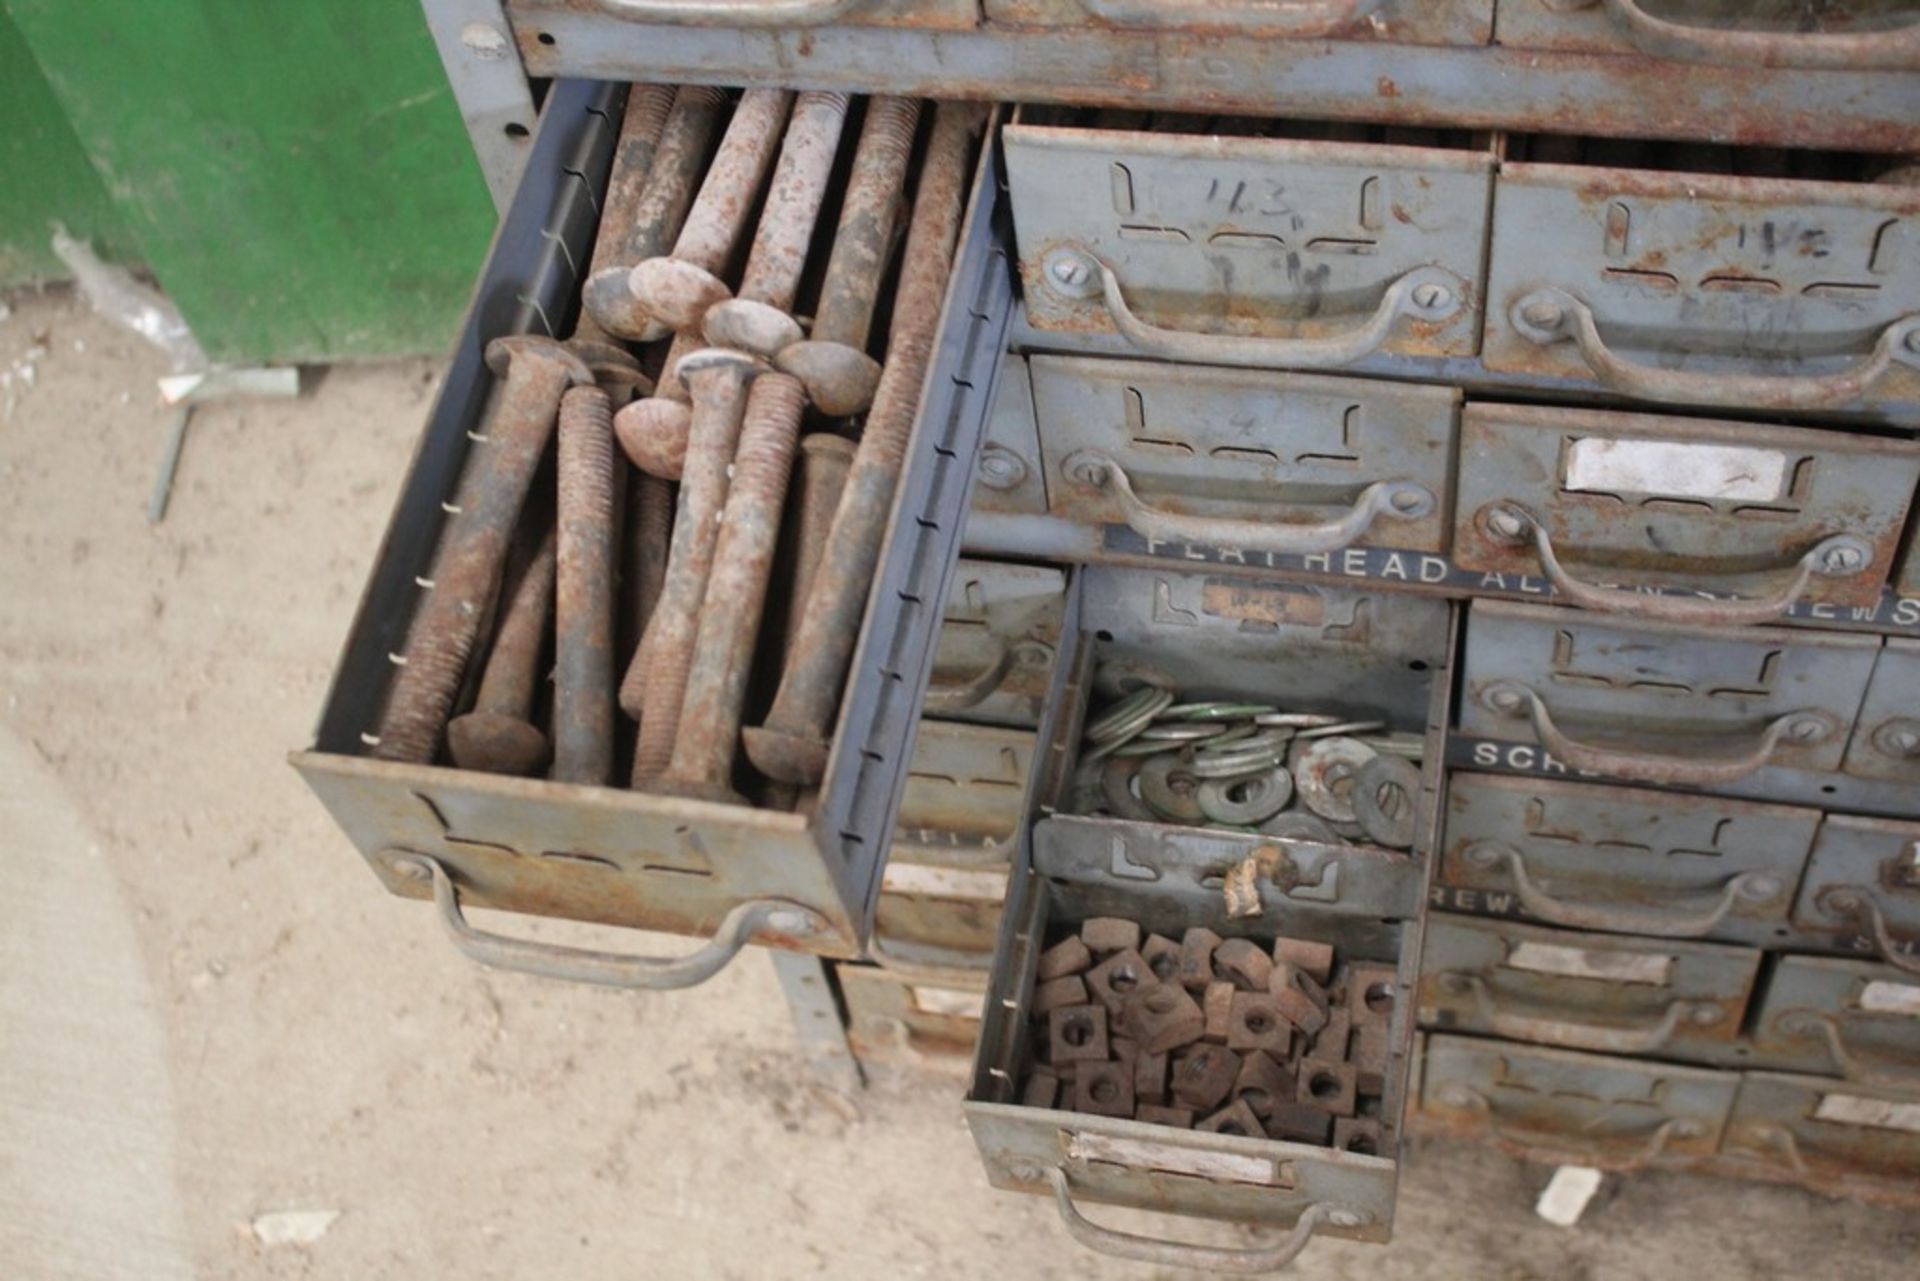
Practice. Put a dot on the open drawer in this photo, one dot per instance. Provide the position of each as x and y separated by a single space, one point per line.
729 874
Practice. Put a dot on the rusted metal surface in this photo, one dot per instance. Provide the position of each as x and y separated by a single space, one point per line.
1707 288
1464 22
1859 1020
473 545
583 596
758 318
825 459
731 609
1831 1136
1886 737
1485 87
901 1021
840 376
640 131
718 381
650 503
672 172
1861 893
1843 35
802 15
791 746
1632 501
653 432
999 641
676 290
499 735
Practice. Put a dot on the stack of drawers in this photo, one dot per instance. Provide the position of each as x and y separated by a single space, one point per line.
1533 380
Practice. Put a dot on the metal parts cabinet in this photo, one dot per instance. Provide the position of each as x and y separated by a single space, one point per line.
1424 363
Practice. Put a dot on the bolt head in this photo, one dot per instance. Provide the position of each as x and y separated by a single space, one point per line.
1505 698
1001 468
1843 559
503 353
1543 313
1504 524
1706 1015
1806 729
1760 887
408 866
1068 271
1346 1218
1431 296
839 380
1897 740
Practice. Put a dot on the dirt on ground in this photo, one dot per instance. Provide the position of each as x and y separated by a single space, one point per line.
226 1052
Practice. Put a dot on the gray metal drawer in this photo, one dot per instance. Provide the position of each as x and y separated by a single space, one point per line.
1859 34
1600 992
799 15
1257 252
1660 702
908 1021
1622 860
1886 737
998 642
1261 462
1706 289
1862 889
1744 519
1852 1019
1835 1137
1007 475
1570 1108
1457 22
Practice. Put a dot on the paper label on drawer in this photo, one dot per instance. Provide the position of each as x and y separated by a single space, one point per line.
929 880
1591 963
1881 1114
1882 997
948 1001
1140 1155
1675 469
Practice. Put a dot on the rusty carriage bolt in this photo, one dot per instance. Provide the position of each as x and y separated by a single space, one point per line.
824 461
653 432
473 548
758 318
583 592
792 745
672 175
641 125
735 601
833 362
498 736
677 290
718 380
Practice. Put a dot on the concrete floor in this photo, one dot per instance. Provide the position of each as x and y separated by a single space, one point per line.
216 1032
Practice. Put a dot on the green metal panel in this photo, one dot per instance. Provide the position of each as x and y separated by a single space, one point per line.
44 175
297 175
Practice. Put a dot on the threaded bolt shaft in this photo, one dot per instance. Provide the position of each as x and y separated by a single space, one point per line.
498 735
649 528
799 186
473 546
583 594
731 613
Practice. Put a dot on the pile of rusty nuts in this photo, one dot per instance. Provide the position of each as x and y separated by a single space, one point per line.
1249 767
1228 1036
694 353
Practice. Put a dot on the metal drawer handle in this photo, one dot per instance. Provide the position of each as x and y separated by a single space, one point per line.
1427 294
1176 1254
609 969
1553 1147
953 969
1394 499
1802 729
1643 1038
1301 19
946 697
1803 1025
738 13
1692 921
1548 316
1858 902
1879 50
1835 557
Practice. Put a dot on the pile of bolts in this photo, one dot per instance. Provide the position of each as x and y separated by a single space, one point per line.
691 351
1249 767
1284 1040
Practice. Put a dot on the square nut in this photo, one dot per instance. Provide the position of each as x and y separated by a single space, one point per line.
1235 1118
1264 1083
1254 1022
1068 989
1106 934
1301 1000
1203 1076
1150 1078
1357 1134
1164 1018
1245 962
1331 1041
1042 1090
1103 1089
1315 959
1162 956
1155 1114
1069 956
1372 989
1327 1084
1219 1010
1118 977
1196 957
1370 1056
1298 1123
1076 1033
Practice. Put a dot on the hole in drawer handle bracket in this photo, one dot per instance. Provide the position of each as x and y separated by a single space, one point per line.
607 969
1393 499
1693 921
1859 904
1838 556
1633 1038
1548 316
1894 49
1178 1254
1429 294
1299 19
1801 729
1555 1147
